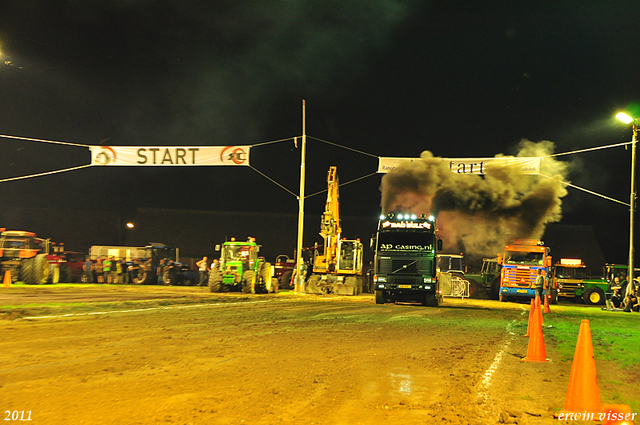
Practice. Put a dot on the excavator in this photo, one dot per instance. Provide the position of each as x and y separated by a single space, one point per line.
338 270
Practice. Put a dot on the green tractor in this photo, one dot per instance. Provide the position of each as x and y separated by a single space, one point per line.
240 269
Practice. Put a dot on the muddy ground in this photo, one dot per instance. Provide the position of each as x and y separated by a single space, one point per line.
180 355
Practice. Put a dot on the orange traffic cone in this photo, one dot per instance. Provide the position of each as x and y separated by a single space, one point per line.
531 313
547 309
616 414
539 308
7 279
536 351
583 394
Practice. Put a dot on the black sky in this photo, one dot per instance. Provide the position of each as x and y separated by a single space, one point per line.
391 78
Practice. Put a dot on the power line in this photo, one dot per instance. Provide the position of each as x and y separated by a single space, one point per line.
45 174
585 190
44 141
589 149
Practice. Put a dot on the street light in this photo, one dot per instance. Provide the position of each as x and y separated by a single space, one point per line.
632 202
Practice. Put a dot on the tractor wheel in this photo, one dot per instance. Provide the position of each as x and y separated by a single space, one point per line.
248 282
215 282
144 277
265 277
380 297
25 271
495 288
593 296
260 285
40 269
167 279
66 274
54 274
473 288
285 280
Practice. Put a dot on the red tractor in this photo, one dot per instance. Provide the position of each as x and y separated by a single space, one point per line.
25 256
65 266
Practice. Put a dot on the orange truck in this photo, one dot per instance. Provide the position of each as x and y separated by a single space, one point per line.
520 262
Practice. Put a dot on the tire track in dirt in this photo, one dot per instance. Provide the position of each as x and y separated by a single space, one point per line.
310 360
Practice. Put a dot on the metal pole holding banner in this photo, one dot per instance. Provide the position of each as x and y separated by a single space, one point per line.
632 206
299 283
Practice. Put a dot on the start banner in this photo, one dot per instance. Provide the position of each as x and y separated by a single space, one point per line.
470 165
169 155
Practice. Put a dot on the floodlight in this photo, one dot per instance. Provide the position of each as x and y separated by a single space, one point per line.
624 118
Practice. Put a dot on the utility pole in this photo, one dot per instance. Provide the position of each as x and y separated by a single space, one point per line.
299 283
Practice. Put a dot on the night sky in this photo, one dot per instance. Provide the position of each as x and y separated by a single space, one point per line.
389 78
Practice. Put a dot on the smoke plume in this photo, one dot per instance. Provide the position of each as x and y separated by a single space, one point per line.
478 214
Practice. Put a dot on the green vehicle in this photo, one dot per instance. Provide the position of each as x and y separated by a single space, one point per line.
241 269
488 280
572 280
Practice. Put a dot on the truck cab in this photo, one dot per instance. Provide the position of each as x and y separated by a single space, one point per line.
521 262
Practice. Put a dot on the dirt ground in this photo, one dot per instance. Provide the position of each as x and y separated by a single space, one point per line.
181 355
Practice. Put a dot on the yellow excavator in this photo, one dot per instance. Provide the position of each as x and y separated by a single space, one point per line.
338 270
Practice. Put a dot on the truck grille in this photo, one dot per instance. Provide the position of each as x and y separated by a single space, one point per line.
406 267
523 278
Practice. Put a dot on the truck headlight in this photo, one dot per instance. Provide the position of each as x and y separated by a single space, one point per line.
382 278
428 279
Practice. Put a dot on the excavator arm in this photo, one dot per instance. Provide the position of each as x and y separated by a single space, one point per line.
330 229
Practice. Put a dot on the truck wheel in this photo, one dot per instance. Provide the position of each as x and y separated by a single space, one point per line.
248 281
380 298
502 298
593 296
430 299
554 297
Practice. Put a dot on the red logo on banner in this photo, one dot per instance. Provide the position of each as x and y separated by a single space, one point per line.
233 154
105 156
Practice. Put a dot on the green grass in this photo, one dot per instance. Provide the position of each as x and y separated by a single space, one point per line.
622 399
615 335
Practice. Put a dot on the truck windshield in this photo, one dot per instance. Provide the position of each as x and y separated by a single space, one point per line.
571 273
446 264
526 258
405 241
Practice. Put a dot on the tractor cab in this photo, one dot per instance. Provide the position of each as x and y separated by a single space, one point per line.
236 258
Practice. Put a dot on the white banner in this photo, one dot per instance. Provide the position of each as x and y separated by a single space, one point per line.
169 155
470 165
